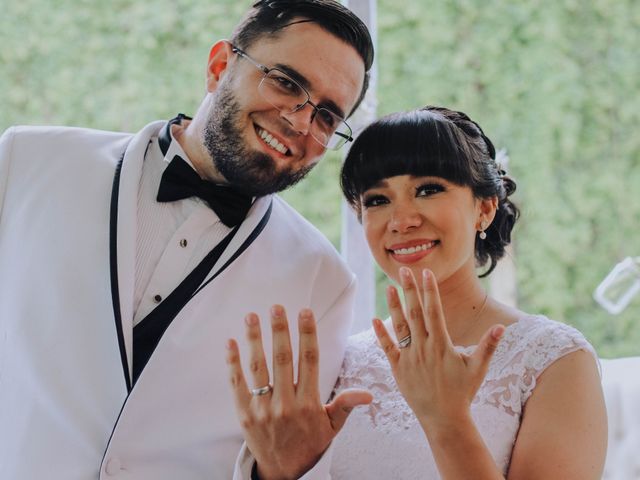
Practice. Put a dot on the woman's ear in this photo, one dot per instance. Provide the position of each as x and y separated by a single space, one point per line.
218 59
487 212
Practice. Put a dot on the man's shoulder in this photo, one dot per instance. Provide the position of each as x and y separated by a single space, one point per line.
63 134
297 227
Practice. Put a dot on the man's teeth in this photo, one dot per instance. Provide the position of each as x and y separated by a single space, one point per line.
271 141
412 250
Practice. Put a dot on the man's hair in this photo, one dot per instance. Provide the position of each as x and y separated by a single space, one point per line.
268 17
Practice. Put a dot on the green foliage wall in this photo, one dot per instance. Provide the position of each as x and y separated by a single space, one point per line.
554 82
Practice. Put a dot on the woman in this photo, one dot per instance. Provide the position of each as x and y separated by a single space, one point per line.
466 387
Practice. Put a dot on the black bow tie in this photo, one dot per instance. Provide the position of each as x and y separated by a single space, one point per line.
180 181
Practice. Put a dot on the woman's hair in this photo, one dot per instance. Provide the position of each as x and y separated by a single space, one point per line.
438 142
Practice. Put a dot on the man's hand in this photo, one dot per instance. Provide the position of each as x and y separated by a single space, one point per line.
286 427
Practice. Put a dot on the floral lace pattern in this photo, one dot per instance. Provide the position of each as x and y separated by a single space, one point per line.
384 439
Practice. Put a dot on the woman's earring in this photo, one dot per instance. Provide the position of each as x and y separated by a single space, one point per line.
482 234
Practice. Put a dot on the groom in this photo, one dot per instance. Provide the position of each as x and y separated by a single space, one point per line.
126 261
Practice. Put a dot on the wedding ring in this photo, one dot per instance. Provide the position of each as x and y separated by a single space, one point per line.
404 342
256 392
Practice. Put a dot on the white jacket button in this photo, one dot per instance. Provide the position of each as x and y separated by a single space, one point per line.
112 466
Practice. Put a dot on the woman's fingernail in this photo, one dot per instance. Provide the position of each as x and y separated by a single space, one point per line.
277 311
251 319
405 274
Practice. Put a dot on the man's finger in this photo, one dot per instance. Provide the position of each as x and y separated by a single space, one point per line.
241 393
341 406
308 357
282 355
257 360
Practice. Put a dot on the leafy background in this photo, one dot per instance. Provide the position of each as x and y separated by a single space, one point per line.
553 82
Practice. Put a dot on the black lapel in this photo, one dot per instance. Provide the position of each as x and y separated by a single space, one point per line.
113 258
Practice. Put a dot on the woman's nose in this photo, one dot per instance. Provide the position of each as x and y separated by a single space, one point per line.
405 217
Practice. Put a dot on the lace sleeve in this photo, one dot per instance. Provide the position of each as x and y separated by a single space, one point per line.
546 342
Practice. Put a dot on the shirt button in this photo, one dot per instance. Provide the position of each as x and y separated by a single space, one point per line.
113 466
183 242
157 298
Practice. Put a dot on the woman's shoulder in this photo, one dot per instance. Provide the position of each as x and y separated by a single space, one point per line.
543 337
532 344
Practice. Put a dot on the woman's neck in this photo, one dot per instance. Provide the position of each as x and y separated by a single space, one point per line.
464 303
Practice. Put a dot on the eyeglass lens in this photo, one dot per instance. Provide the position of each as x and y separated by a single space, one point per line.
288 96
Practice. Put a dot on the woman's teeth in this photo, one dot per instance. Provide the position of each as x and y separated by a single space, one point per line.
412 250
271 141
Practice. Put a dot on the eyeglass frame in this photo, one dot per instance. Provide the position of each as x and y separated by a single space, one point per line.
266 70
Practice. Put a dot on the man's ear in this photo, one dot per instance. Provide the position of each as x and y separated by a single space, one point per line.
218 59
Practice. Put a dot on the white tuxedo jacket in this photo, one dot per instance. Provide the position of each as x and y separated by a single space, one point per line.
67 254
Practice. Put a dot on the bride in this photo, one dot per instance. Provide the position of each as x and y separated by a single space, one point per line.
455 385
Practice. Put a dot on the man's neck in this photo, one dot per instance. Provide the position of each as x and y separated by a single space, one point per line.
187 135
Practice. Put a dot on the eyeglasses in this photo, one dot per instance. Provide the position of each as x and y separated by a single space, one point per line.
288 96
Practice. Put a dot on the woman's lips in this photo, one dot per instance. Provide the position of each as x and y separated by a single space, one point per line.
411 252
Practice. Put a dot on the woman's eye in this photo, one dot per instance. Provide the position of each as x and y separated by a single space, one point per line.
374 201
429 189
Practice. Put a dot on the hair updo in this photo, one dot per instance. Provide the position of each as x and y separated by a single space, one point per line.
434 141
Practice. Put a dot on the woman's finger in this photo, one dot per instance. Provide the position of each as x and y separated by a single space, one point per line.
386 342
308 357
434 316
400 325
413 305
257 360
241 393
482 355
282 355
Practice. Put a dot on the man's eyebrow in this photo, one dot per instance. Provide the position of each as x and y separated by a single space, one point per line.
304 82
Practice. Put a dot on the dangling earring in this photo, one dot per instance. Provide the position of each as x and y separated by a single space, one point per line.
482 233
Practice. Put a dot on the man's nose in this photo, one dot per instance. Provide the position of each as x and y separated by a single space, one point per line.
301 119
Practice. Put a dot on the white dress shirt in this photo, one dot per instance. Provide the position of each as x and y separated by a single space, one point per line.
173 237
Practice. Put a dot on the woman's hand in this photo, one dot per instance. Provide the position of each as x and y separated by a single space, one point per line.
286 426
437 382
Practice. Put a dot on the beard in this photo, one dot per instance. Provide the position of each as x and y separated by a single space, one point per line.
250 171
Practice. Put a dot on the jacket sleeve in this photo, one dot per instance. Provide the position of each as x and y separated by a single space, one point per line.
334 327
6 144
245 461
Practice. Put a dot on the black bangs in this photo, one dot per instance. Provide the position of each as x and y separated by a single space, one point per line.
417 143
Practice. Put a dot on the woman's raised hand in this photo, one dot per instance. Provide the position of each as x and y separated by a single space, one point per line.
285 423
436 380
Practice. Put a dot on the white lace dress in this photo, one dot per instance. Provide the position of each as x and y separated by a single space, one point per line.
384 440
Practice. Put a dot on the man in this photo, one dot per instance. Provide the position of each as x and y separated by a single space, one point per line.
126 261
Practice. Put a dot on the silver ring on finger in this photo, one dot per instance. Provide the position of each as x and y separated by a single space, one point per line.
257 392
404 342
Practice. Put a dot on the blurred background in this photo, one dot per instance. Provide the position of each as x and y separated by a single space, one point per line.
554 82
